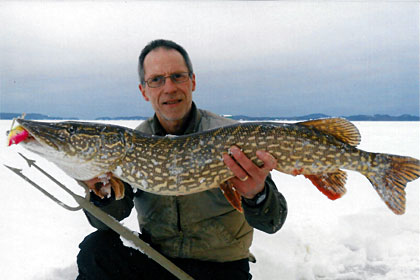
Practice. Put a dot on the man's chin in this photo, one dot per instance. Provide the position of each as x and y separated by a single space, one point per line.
173 118
174 113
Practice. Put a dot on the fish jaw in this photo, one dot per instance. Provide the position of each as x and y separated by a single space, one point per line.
46 134
78 154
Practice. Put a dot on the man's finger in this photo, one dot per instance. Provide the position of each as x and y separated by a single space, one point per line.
247 164
269 161
234 167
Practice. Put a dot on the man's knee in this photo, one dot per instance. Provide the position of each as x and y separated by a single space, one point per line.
103 256
96 244
99 239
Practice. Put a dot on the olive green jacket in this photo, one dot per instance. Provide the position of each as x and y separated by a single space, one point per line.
200 226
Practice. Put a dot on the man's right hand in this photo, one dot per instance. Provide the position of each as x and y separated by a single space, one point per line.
102 185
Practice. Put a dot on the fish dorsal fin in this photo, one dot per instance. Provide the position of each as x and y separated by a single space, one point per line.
340 128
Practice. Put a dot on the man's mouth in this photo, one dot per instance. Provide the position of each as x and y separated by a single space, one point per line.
172 102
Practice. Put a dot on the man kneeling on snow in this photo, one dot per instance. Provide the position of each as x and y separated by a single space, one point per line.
201 233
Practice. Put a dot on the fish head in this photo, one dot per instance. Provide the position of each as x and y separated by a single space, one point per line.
83 150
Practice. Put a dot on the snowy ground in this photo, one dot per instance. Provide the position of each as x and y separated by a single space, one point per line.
355 237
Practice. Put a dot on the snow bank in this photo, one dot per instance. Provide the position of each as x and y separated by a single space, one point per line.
355 237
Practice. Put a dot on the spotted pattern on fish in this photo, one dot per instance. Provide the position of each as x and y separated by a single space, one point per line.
182 165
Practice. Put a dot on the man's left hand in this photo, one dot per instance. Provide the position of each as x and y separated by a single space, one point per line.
250 179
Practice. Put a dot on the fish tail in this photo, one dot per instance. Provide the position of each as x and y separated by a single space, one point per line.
389 176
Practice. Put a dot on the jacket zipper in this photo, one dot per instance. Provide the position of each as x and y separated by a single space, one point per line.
178 214
181 234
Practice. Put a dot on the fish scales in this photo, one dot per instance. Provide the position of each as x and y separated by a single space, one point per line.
181 165
199 165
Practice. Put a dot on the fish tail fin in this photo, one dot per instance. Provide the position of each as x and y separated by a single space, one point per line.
390 178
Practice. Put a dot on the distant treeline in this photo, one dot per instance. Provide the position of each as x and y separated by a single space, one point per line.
406 117
36 116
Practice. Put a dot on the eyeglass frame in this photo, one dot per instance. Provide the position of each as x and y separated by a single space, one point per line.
168 76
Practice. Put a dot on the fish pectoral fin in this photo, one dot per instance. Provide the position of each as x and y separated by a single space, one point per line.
234 198
340 128
330 184
118 186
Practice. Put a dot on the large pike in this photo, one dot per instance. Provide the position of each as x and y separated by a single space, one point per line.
188 164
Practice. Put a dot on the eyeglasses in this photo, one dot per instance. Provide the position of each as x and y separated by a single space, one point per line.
159 81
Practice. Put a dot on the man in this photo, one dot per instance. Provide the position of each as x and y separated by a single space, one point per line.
201 233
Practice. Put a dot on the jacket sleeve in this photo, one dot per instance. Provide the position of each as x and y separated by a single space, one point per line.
119 209
269 216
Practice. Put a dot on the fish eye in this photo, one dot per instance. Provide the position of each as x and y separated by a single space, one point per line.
71 129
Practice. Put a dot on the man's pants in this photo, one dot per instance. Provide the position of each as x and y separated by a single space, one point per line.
103 256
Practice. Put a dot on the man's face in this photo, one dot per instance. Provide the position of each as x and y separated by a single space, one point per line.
172 101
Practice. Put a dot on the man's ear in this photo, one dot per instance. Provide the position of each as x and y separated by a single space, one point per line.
143 92
193 82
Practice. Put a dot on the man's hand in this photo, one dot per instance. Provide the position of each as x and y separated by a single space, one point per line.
250 179
102 185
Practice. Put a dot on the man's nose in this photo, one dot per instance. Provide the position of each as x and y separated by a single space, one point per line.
169 85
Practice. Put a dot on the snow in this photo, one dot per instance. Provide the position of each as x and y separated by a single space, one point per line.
355 237
118 171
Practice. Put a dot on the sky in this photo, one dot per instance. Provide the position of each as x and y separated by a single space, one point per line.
276 58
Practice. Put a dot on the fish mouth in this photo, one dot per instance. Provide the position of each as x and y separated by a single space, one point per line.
38 134
19 134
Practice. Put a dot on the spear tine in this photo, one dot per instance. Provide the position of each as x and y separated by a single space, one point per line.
46 193
31 163
28 161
